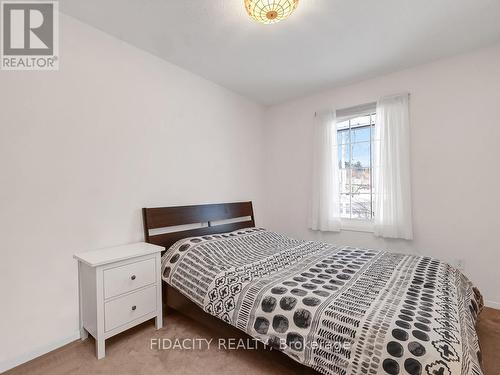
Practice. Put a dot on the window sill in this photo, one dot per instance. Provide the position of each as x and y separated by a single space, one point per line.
357 225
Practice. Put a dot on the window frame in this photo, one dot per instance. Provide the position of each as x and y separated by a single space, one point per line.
358 224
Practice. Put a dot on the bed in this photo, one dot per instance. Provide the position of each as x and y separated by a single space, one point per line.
335 310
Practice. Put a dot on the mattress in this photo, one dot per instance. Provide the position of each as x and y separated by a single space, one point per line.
338 310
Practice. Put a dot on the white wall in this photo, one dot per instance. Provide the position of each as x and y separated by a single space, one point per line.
83 149
455 149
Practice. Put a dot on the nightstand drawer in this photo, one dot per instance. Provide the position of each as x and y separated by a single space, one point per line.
129 277
128 308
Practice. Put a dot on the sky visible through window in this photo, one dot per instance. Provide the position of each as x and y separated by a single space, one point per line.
355 153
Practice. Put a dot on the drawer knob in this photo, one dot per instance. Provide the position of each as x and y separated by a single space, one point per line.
134 307
132 277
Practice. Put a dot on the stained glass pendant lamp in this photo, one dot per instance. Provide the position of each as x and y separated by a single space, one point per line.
270 11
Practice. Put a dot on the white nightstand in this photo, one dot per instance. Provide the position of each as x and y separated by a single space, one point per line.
120 287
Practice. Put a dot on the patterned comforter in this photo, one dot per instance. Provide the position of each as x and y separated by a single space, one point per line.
338 310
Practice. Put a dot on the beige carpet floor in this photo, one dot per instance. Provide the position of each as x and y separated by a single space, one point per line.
130 353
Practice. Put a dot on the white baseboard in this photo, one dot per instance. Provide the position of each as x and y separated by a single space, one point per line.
10 363
492 304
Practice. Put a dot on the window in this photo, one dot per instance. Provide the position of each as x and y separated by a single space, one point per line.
355 157
361 169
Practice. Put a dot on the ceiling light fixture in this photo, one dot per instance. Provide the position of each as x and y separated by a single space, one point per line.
270 11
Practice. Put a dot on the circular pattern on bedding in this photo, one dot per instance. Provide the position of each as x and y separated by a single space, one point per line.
418 306
390 366
324 276
403 324
330 287
261 325
405 317
298 292
424 314
321 293
395 349
422 327
399 334
184 247
331 271
288 303
412 366
291 304
416 349
280 323
311 301
268 304
414 318
347 270
302 318
295 341
336 282
423 320
317 281
407 312
420 335
343 276
278 290
309 286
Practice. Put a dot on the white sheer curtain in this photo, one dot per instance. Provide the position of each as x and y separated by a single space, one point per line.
325 205
393 216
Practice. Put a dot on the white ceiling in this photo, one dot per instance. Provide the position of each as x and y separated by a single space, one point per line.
325 42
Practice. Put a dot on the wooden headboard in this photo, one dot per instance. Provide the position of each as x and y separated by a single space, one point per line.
206 214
